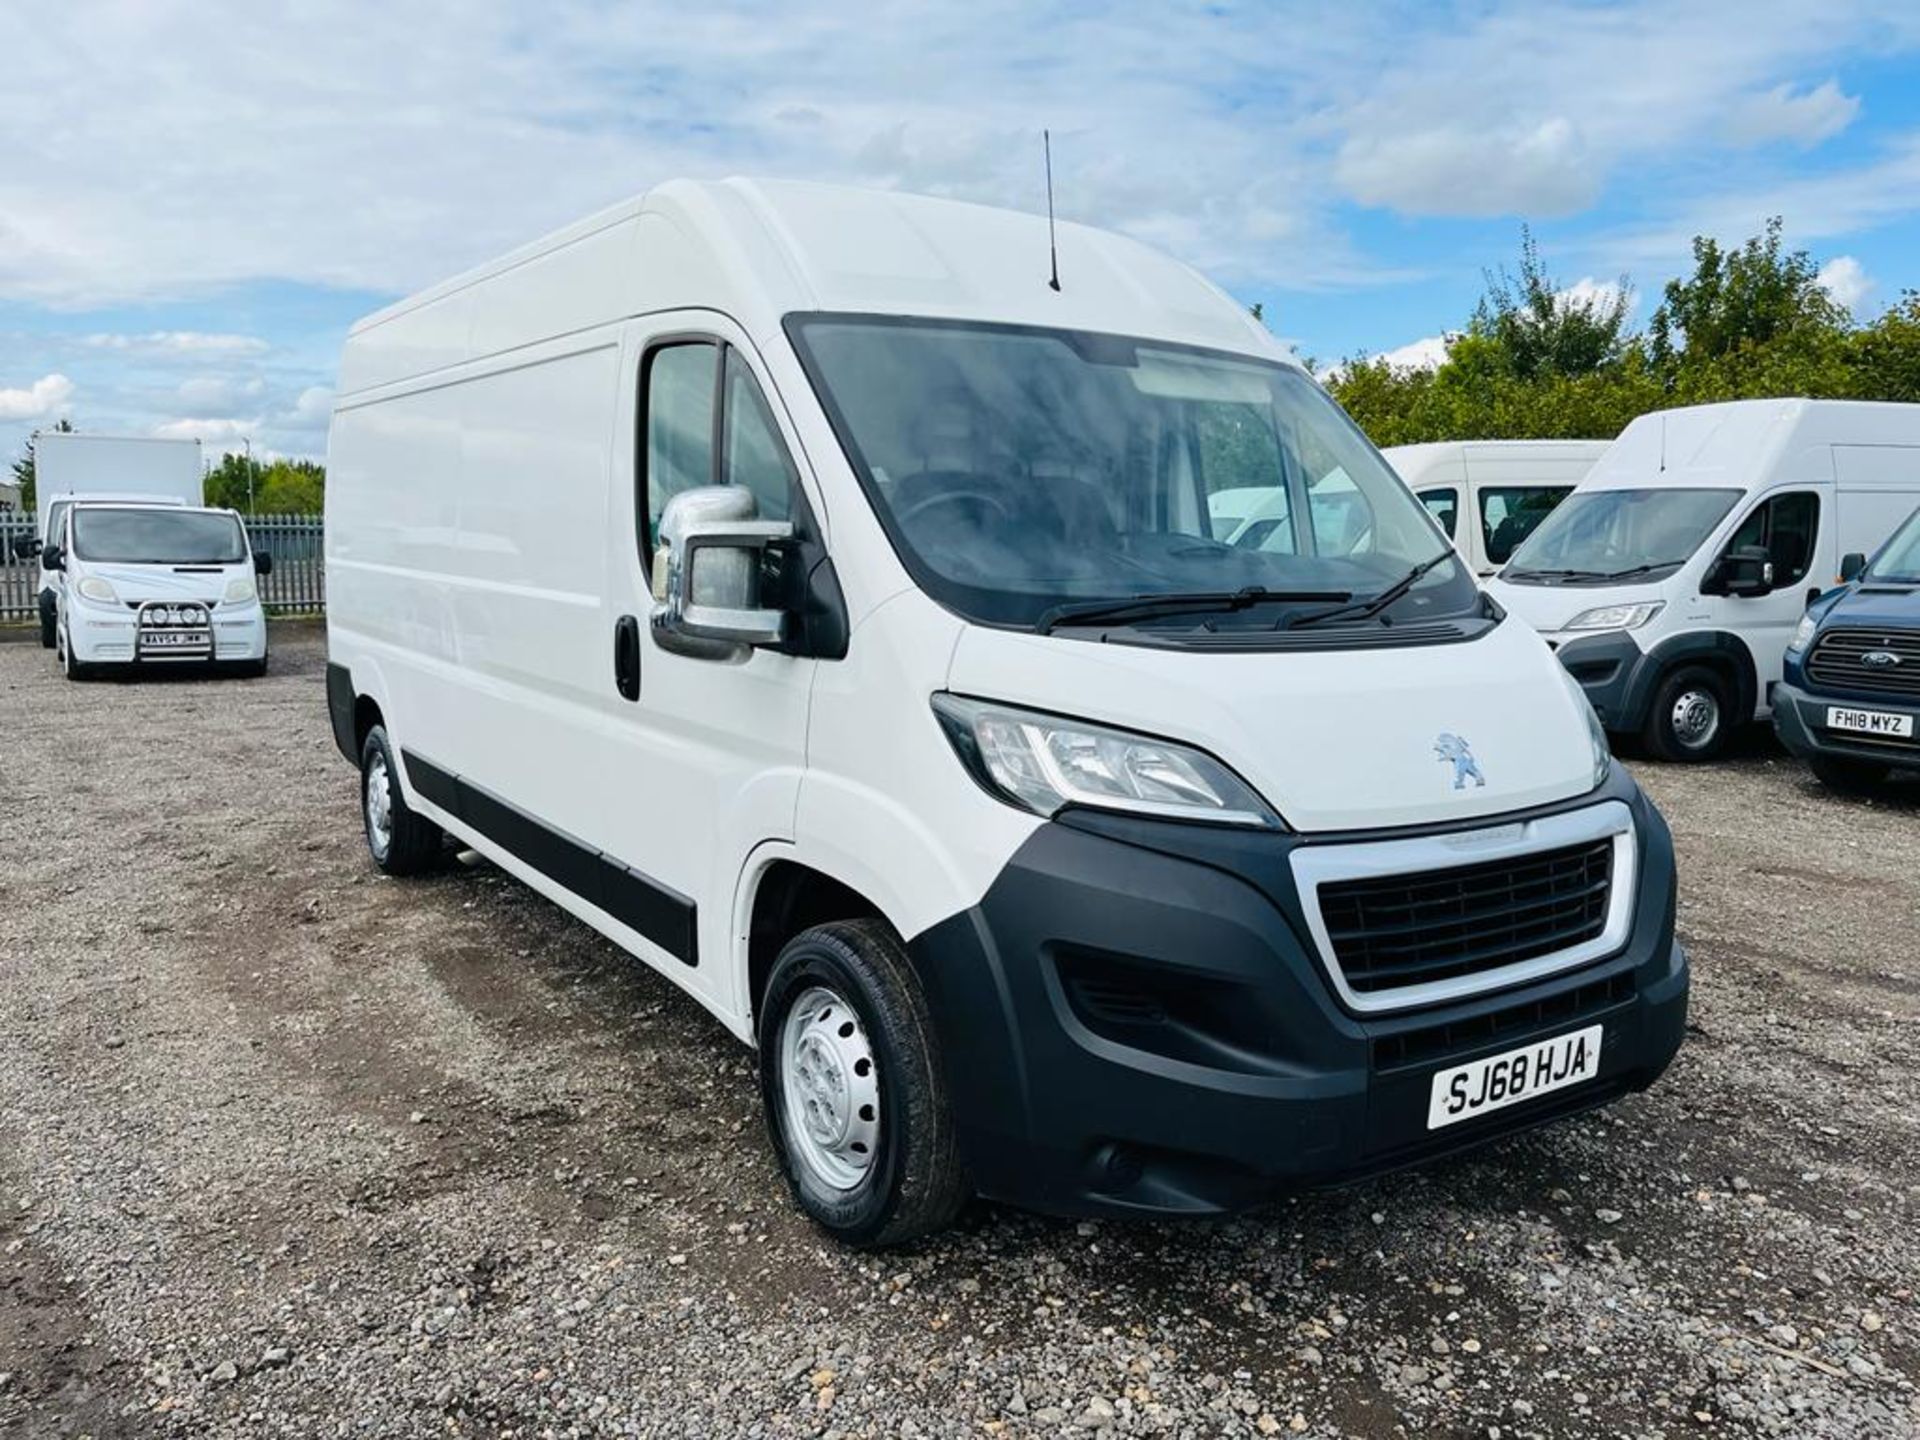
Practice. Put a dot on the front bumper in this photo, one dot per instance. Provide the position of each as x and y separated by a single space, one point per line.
1613 671
1134 1020
108 634
1800 720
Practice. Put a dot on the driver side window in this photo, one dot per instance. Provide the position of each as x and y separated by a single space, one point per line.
1785 527
705 422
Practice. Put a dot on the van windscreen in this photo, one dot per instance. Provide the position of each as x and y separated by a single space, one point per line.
1599 535
157 536
1021 471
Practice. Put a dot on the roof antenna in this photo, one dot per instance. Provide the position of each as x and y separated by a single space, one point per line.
1053 249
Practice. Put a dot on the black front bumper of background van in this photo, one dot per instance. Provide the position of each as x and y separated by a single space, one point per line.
1133 1020
1800 720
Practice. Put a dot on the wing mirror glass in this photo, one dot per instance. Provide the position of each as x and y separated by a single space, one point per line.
51 558
262 562
1746 571
1852 566
707 574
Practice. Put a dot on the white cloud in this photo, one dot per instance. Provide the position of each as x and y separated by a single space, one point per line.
38 401
1428 353
1543 169
1846 280
1591 292
204 393
382 150
195 343
216 434
1800 117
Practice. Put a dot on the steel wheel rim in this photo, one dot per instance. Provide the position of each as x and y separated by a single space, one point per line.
379 805
829 1089
1696 718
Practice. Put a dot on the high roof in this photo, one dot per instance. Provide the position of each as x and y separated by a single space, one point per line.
760 249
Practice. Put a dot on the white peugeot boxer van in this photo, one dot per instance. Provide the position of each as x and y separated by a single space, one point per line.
796 586
1489 495
1672 580
152 585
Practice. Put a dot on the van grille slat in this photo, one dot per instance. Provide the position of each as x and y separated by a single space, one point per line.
1400 930
1836 662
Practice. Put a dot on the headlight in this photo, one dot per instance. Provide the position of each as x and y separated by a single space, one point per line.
1596 732
1617 617
1803 635
241 588
1042 763
94 588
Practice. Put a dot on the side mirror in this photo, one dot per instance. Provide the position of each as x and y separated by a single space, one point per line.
26 547
51 558
262 562
1745 572
1852 566
706 574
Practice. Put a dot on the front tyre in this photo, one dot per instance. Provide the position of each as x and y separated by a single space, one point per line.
401 842
73 669
1692 716
49 619
856 1099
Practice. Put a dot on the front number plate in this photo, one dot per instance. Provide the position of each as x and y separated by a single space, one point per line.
175 639
1870 722
1501 1080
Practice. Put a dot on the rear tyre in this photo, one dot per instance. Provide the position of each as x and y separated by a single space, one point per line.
1692 716
856 1098
254 669
1851 777
49 620
401 842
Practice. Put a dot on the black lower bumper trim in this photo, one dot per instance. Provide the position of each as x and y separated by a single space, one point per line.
1800 720
1207 1065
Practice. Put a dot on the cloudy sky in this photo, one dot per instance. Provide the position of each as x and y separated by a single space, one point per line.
198 196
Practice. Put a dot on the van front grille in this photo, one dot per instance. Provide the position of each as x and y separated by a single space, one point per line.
1393 931
1839 662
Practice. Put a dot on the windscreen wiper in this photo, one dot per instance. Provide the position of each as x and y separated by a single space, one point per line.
1366 609
1206 602
1647 569
1515 572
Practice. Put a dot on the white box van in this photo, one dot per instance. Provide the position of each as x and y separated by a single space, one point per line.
146 585
70 467
795 586
1671 581
1489 495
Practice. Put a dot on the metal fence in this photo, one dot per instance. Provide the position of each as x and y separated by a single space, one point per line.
297 584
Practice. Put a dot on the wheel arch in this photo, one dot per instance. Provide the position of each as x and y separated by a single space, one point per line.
1719 650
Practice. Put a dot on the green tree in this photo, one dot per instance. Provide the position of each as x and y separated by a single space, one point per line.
1541 329
1884 357
25 474
291 487
1735 300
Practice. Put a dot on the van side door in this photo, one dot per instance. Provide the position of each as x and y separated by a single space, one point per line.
1787 524
709 751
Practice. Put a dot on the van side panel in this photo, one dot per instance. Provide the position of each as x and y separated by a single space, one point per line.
1879 487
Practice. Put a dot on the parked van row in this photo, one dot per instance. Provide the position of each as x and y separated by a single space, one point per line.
1490 495
1030 713
1671 582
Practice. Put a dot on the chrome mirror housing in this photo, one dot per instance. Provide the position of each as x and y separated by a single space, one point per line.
706 574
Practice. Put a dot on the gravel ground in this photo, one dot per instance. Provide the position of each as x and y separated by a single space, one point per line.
291 1149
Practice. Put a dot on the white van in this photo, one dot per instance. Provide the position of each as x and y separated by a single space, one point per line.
69 466
146 585
1489 495
794 585
1671 581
